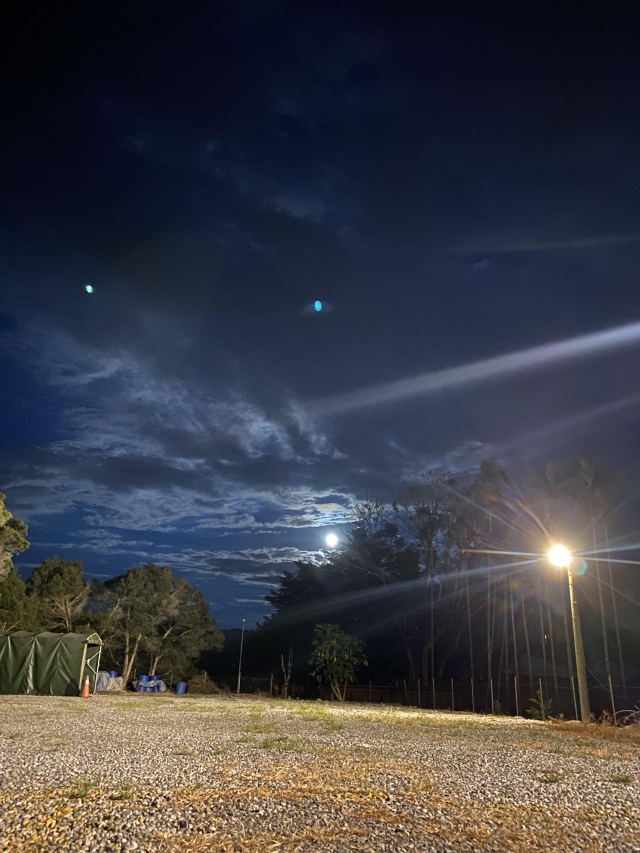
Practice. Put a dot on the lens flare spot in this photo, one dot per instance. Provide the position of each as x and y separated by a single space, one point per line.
88 288
317 306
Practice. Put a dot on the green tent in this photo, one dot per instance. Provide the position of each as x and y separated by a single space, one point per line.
47 664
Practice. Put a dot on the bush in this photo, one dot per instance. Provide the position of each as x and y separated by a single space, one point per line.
540 708
203 685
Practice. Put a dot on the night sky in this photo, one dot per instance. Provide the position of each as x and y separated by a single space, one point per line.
452 184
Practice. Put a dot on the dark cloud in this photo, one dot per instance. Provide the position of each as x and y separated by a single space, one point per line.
455 186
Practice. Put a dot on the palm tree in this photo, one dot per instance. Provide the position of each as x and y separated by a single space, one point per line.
488 486
592 495
615 615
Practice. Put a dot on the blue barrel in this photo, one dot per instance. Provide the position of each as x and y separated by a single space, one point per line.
181 687
155 688
143 678
142 688
113 674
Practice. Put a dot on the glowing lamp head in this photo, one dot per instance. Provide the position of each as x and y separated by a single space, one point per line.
331 540
559 556
88 288
317 306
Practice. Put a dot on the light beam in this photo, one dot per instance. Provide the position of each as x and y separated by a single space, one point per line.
534 358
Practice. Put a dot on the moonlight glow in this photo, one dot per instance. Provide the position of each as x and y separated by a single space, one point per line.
331 540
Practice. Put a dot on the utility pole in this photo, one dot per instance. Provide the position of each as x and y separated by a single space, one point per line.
561 557
581 667
240 659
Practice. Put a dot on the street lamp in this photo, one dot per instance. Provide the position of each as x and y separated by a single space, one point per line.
561 557
240 659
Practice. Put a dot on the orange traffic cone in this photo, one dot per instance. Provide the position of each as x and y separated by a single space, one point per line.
85 688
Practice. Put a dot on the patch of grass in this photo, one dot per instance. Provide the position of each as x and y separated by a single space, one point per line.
558 750
184 751
260 728
125 791
620 779
314 714
281 742
79 789
589 731
15 735
245 739
550 776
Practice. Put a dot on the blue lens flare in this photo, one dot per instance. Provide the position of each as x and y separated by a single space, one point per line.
317 306
581 569
88 288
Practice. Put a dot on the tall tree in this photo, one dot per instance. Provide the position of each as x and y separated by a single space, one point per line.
16 607
149 611
59 592
593 495
13 537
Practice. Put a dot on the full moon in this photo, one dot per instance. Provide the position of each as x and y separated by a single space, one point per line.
331 540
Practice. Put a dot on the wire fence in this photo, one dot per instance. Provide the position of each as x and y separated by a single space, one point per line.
511 698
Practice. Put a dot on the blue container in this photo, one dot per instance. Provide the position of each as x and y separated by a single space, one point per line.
143 678
155 688
142 688
181 688
113 674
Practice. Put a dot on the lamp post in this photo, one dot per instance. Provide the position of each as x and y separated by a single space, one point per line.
240 659
561 557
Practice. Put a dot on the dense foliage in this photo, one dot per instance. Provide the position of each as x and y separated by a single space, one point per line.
336 657
149 620
452 581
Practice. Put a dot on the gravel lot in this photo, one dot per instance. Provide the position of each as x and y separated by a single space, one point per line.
164 774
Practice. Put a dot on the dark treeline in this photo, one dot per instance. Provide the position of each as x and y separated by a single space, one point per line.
149 620
452 581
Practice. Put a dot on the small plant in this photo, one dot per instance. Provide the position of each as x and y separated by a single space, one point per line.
550 776
620 779
80 788
539 708
126 791
497 710
260 728
184 751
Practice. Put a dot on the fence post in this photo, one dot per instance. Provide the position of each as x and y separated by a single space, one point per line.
493 704
544 716
575 704
369 692
453 701
473 698
515 685
613 701
271 685
418 693
406 698
433 690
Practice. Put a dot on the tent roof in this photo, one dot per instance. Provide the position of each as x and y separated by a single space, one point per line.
89 639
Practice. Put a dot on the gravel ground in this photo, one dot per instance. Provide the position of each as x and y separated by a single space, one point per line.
152 773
